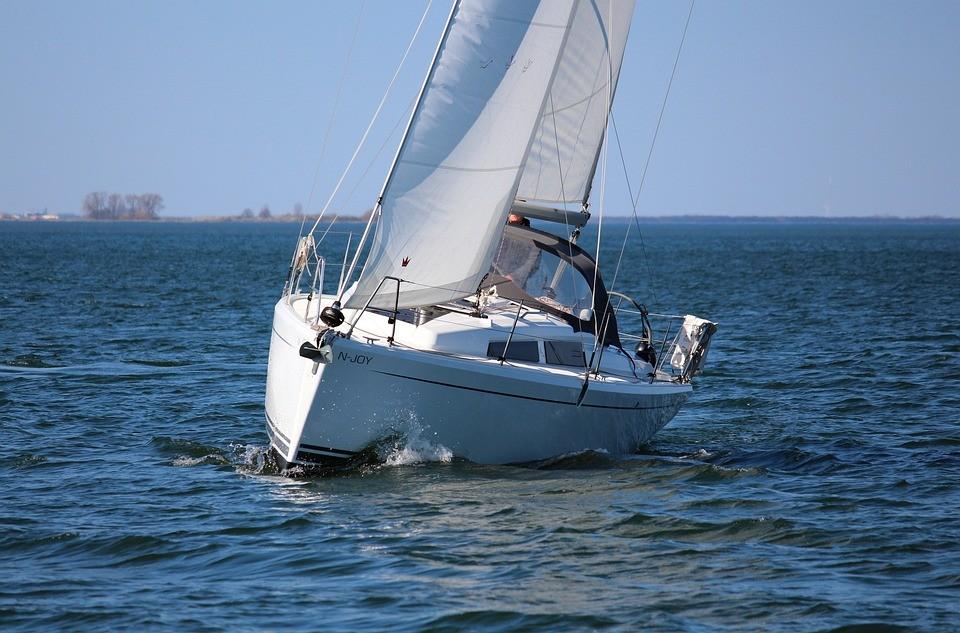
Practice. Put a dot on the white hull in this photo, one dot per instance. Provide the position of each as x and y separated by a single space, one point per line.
475 407
466 325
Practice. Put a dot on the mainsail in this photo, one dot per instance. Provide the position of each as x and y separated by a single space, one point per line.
456 174
564 153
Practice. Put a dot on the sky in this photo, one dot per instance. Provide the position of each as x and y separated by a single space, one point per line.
830 108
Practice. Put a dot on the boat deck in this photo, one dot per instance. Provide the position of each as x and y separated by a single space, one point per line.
504 333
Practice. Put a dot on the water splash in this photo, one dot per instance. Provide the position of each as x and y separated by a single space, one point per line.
184 452
700 454
186 461
256 459
412 444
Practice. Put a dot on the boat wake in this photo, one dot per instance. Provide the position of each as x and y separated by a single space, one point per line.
247 459
184 452
410 442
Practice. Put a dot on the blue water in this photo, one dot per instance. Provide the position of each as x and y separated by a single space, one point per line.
811 484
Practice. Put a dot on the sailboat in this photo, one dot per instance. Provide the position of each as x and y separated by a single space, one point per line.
476 313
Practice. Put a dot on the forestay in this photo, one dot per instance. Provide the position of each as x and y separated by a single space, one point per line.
457 171
571 129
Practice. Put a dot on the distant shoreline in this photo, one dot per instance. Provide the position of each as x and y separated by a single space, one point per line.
651 219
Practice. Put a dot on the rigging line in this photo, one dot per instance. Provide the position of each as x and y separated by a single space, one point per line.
596 268
373 120
663 106
333 112
623 247
643 175
643 245
328 229
303 221
605 148
556 137
366 170
563 196
403 117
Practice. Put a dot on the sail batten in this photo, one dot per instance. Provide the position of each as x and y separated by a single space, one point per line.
459 166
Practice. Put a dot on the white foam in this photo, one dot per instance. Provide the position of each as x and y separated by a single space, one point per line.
251 459
212 458
414 446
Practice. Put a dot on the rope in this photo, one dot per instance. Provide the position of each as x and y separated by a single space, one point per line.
663 106
366 170
643 246
563 196
603 203
403 117
623 247
643 175
373 120
333 112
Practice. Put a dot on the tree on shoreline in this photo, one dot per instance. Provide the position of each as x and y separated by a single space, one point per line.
99 205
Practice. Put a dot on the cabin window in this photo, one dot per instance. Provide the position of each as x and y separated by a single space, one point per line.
527 351
564 353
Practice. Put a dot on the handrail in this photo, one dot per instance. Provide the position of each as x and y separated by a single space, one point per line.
638 306
663 345
396 311
346 252
318 272
366 305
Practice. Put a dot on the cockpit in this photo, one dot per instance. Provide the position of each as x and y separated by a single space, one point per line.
554 275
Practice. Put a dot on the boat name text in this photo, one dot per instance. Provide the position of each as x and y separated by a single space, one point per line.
358 359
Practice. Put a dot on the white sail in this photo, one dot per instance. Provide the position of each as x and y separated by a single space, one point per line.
458 168
572 126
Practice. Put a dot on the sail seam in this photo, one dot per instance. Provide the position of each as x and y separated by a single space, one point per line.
456 168
501 18
581 101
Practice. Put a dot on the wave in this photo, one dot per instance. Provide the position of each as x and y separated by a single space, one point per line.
762 528
577 460
29 361
782 459
932 442
185 453
496 620
20 462
159 363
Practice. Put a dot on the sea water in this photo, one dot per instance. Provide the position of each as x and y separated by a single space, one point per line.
812 482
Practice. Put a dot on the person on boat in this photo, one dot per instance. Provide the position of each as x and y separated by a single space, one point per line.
516 259
516 219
